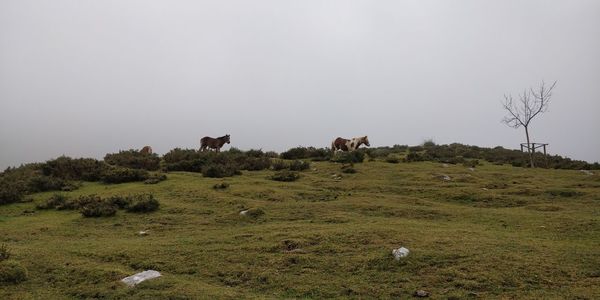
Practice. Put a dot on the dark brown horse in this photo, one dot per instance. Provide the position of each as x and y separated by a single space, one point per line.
146 150
349 145
212 143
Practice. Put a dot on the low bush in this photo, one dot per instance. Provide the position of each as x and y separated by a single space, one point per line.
220 170
393 159
299 165
56 201
316 154
120 202
280 165
154 179
101 208
348 169
256 163
87 169
94 206
285 175
122 175
254 213
12 272
221 186
413 157
133 159
349 157
4 252
142 203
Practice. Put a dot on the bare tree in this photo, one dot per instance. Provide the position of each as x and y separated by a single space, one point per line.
531 103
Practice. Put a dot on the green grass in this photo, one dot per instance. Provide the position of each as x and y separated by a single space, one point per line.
496 232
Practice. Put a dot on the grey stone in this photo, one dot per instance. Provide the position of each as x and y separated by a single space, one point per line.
140 277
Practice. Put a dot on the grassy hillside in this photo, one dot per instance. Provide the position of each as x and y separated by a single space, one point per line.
497 231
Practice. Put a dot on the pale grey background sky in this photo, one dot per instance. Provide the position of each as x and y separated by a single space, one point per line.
83 78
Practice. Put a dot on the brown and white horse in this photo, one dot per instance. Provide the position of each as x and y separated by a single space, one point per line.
212 143
146 150
349 145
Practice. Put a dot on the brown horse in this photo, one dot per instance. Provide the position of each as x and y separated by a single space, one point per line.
146 150
212 143
349 145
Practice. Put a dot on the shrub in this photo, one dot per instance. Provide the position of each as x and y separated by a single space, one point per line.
154 179
4 252
280 165
42 183
100 208
254 213
256 163
11 192
142 203
64 167
121 175
119 201
349 157
349 169
392 159
413 156
12 272
133 159
220 170
471 163
221 186
285 175
299 165
317 154
58 201
94 206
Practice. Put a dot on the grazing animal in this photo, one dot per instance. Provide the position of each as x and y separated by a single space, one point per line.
349 145
212 143
146 150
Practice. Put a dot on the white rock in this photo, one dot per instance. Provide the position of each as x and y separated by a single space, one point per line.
472 169
587 172
139 277
400 253
244 212
445 165
143 232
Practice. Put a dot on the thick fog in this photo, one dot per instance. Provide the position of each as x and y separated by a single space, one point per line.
84 78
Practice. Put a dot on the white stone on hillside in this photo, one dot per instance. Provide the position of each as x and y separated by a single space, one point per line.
400 253
139 277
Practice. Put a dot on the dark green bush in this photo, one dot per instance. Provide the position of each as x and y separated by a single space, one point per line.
133 159
280 165
317 154
221 186
100 208
142 203
256 163
299 165
254 213
121 175
349 169
414 156
56 201
11 191
12 272
4 252
87 169
349 157
120 202
154 179
220 170
285 175
393 159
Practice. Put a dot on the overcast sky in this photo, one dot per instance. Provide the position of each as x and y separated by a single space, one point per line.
84 78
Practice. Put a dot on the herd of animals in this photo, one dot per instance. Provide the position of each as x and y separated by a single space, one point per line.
339 144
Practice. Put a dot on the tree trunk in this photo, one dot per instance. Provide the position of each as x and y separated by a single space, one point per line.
529 147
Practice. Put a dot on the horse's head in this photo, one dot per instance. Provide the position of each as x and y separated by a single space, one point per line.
365 140
227 139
